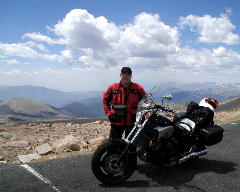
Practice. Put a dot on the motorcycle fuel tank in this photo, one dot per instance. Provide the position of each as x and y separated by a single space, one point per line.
163 132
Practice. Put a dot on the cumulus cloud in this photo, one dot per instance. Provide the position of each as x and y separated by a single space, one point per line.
82 30
105 44
148 36
212 29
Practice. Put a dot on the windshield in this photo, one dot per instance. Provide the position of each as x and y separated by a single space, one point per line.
145 101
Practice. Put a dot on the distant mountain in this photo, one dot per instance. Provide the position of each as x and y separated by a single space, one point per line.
182 93
18 109
52 97
230 105
79 110
95 104
195 92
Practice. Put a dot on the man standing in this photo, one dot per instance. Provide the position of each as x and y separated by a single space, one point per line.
120 103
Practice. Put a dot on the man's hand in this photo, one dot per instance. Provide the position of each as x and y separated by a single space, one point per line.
112 117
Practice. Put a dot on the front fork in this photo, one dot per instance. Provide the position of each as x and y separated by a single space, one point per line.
130 139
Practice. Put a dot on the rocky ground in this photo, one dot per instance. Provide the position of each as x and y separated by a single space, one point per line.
37 141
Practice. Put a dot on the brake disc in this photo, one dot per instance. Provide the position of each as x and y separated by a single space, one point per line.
110 164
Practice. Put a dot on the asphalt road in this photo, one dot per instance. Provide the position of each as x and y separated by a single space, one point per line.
218 171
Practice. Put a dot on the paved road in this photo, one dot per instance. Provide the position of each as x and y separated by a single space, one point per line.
218 171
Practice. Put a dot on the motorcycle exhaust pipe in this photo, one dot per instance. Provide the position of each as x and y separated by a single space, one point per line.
191 155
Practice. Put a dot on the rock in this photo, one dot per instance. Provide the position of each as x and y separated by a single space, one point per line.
82 142
74 147
98 122
41 140
52 157
6 135
1 158
4 162
97 141
69 125
16 144
43 149
64 144
28 158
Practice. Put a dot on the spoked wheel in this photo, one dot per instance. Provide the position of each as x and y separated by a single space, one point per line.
105 166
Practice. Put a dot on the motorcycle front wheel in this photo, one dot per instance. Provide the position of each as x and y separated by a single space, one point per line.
104 165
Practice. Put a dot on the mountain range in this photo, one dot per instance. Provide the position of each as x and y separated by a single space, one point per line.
26 102
52 97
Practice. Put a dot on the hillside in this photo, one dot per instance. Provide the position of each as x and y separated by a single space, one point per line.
18 109
229 105
79 110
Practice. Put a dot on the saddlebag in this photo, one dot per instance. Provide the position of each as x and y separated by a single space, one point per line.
211 135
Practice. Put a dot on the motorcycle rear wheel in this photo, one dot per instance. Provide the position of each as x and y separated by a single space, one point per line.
103 160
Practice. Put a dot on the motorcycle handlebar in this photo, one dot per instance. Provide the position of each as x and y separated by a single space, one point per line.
165 109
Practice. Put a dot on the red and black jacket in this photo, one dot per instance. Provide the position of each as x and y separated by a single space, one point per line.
130 96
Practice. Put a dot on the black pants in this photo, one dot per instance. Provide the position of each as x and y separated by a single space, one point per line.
116 131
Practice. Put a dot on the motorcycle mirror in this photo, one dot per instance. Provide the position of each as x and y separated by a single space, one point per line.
167 96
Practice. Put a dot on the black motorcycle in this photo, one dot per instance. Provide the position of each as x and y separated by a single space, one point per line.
156 139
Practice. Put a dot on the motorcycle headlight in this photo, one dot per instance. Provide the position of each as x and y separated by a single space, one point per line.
138 116
143 106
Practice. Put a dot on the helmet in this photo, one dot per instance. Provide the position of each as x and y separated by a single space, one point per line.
210 103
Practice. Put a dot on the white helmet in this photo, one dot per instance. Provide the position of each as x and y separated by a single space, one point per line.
210 103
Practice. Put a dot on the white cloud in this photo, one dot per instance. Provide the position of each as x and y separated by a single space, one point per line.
212 29
82 30
149 37
205 61
17 49
42 38
32 44
28 50
105 44
12 62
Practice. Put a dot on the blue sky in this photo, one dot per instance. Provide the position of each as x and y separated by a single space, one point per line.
81 45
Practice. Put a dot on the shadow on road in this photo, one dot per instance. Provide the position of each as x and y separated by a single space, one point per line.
178 175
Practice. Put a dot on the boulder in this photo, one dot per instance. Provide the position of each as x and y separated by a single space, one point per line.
43 149
28 158
74 147
65 144
16 144
3 162
97 141
6 135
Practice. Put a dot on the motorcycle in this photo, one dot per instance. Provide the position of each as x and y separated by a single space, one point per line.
156 139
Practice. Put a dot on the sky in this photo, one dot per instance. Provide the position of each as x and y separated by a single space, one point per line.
81 45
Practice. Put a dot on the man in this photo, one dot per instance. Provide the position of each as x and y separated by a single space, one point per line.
120 103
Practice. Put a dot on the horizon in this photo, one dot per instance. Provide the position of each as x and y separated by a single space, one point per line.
173 83
81 46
